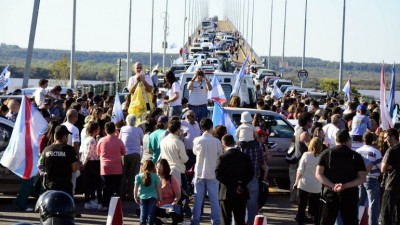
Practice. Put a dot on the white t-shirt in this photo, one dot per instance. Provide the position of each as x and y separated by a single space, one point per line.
245 132
40 95
74 137
175 88
330 134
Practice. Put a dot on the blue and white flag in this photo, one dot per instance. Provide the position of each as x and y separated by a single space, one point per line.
386 119
5 78
22 154
392 100
117 114
395 118
239 77
195 63
276 92
217 92
347 89
220 117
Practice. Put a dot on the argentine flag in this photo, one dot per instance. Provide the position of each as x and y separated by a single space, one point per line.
221 117
22 154
217 92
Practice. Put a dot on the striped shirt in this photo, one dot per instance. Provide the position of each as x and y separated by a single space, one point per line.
373 155
198 95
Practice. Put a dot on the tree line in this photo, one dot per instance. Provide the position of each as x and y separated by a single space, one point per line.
103 66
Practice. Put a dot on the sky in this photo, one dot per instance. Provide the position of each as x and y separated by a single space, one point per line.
371 35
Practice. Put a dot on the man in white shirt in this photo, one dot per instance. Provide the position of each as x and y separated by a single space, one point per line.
331 129
73 139
207 149
173 150
41 93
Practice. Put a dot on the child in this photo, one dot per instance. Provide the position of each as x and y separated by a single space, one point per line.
147 192
246 132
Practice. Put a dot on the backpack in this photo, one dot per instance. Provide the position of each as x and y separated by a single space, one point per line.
290 154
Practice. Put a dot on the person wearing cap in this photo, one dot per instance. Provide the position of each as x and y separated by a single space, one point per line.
360 123
41 93
155 137
198 87
58 161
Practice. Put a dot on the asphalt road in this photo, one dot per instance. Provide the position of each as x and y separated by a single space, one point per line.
278 211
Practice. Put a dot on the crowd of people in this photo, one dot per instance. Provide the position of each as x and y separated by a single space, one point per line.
158 160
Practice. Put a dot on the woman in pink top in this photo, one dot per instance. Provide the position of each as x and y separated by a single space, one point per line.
110 149
170 192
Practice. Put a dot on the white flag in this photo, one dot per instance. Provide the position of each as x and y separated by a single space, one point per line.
117 114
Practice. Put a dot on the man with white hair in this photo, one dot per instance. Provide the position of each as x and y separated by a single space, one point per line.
132 137
13 105
331 129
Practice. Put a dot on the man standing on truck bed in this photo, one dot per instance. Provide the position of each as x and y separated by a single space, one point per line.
198 88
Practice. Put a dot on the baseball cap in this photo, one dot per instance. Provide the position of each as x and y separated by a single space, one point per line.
260 132
362 108
163 119
62 129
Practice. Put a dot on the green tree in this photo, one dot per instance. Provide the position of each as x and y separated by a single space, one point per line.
328 84
60 70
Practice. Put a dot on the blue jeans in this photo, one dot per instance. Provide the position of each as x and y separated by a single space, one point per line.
370 190
147 210
201 111
175 111
252 201
200 188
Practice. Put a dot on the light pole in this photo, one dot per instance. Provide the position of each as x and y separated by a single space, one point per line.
128 63
152 31
165 33
184 27
30 43
252 28
283 49
341 57
72 74
270 35
247 29
304 42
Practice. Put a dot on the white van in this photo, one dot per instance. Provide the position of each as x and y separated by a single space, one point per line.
227 81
